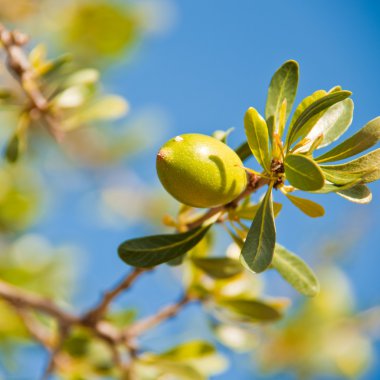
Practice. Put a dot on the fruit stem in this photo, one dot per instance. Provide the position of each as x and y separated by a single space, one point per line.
255 182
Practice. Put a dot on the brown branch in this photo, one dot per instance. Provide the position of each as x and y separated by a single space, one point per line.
254 183
20 297
162 315
25 299
21 69
37 331
96 313
63 333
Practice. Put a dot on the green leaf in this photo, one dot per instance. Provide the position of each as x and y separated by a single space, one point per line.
222 135
122 318
248 212
340 178
332 188
367 167
310 208
82 77
163 367
109 107
257 136
192 360
149 251
283 85
358 194
251 310
333 123
259 245
12 150
243 151
50 68
367 137
303 173
218 267
305 103
311 114
295 271
189 350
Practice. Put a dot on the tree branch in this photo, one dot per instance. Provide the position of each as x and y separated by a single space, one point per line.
19 297
99 310
254 183
162 315
19 65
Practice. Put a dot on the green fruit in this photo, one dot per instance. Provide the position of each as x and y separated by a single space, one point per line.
200 171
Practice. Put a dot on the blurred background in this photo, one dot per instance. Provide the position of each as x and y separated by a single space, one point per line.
187 67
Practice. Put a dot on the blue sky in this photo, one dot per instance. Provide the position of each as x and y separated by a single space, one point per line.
215 63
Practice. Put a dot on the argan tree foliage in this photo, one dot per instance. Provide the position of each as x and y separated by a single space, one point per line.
59 96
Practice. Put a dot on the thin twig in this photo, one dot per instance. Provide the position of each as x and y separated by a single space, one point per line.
255 183
22 70
63 333
34 328
21 297
162 315
101 308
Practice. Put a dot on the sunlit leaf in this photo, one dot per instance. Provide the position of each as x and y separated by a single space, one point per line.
259 245
282 118
218 267
154 250
367 167
222 135
72 97
358 194
295 271
101 29
257 136
249 211
311 114
106 108
333 123
163 367
310 208
122 318
305 103
251 310
367 137
283 86
195 359
303 173
189 350
333 188
236 337
82 77
48 69
342 178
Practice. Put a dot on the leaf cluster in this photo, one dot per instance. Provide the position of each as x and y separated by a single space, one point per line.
286 154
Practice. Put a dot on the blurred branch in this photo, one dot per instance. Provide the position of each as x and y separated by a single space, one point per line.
21 69
99 310
162 315
35 329
63 333
22 298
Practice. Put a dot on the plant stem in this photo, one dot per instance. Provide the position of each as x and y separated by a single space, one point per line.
96 313
162 315
255 183
21 69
